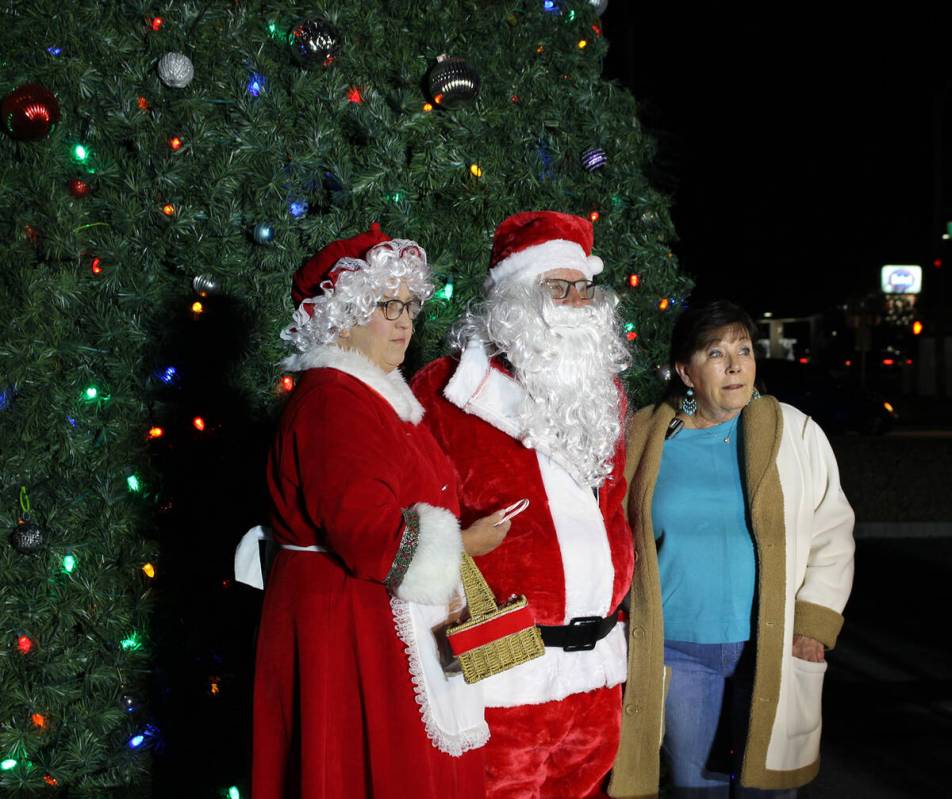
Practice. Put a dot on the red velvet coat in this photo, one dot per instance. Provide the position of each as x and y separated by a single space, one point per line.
335 712
495 471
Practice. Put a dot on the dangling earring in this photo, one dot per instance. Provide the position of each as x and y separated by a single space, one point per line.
688 403
755 395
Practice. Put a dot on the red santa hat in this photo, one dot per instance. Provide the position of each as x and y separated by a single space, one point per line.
309 280
532 242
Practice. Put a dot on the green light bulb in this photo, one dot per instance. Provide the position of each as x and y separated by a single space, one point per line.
571 15
234 793
445 293
132 481
69 563
91 392
629 326
8 764
131 643
80 153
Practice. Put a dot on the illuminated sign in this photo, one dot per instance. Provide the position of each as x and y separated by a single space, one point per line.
901 279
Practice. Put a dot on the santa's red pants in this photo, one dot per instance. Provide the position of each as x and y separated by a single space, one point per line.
556 750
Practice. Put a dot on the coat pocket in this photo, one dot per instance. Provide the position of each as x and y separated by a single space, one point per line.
806 705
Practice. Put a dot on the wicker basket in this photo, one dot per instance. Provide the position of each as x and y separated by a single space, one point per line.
494 638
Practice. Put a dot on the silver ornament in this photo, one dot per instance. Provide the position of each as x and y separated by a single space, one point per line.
599 6
205 284
176 70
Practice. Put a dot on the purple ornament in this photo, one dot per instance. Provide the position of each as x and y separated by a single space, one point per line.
594 158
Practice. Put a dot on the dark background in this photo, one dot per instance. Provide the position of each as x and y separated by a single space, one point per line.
800 151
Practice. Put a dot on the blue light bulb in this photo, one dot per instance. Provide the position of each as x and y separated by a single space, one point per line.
257 84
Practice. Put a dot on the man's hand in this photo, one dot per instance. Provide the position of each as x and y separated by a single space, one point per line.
808 649
483 536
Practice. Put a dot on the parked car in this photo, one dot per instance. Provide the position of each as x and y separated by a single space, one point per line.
838 403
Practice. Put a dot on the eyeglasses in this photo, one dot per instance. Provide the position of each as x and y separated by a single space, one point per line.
559 289
393 309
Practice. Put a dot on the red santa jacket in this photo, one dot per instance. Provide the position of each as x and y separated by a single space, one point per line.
569 553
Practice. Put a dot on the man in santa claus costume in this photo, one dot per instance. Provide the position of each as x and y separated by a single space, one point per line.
531 408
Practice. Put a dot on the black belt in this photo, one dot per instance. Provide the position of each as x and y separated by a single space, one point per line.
579 635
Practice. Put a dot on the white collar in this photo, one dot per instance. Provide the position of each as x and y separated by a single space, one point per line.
391 386
479 389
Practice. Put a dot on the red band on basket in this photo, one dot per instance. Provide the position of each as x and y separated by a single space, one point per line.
491 630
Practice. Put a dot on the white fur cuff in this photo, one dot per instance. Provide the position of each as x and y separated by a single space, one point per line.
433 573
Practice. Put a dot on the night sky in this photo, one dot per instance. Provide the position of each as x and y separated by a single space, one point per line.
799 153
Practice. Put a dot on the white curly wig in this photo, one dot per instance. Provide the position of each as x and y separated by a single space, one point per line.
351 299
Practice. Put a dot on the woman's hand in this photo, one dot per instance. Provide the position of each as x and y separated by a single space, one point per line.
483 536
808 649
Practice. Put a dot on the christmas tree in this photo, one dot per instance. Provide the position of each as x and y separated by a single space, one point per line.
165 168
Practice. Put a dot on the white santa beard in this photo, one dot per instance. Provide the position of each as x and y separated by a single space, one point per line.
566 359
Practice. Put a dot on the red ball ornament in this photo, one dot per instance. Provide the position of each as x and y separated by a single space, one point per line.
78 188
30 112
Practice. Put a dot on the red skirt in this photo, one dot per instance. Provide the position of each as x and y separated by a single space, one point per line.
334 709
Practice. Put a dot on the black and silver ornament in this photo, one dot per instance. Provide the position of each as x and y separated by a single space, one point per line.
452 81
205 285
27 537
315 43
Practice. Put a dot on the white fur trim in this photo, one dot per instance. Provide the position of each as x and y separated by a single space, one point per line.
533 261
558 674
433 573
391 386
583 542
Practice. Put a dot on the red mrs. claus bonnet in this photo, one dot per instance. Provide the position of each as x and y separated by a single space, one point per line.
309 279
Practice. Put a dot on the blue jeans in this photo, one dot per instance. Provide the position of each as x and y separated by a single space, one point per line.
706 717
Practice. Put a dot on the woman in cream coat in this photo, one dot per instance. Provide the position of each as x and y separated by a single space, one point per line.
737 510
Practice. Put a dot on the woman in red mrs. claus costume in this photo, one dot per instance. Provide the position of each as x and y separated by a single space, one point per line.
350 698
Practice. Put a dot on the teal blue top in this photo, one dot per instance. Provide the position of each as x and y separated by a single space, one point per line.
705 548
